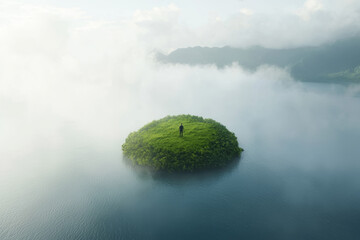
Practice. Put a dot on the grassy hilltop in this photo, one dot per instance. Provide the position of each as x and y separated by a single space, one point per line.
205 144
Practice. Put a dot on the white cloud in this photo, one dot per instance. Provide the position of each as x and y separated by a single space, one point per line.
69 64
45 49
313 5
310 7
157 14
313 24
62 60
317 24
246 11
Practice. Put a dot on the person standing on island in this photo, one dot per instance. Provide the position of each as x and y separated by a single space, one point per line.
181 129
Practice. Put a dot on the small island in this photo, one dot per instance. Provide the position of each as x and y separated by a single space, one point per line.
203 144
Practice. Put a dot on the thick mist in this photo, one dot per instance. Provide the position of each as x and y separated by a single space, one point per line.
96 83
71 90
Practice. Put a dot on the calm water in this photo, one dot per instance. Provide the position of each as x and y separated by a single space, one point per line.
299 177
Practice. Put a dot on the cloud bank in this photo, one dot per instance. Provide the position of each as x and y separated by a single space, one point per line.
314 23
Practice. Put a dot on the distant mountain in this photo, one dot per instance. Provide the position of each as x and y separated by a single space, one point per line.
338 62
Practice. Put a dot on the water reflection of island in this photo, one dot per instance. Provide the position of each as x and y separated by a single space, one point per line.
183 178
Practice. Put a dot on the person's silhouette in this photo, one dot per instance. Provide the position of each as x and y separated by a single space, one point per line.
181 129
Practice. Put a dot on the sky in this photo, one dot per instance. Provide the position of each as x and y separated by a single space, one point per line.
194 12
167 25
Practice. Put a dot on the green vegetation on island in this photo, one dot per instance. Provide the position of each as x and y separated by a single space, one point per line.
204 144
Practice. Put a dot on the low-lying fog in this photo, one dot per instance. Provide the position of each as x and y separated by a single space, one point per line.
61 133
66 108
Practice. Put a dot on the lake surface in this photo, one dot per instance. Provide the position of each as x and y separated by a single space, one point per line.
299 177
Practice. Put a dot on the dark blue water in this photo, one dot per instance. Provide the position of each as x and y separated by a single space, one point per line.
297 179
